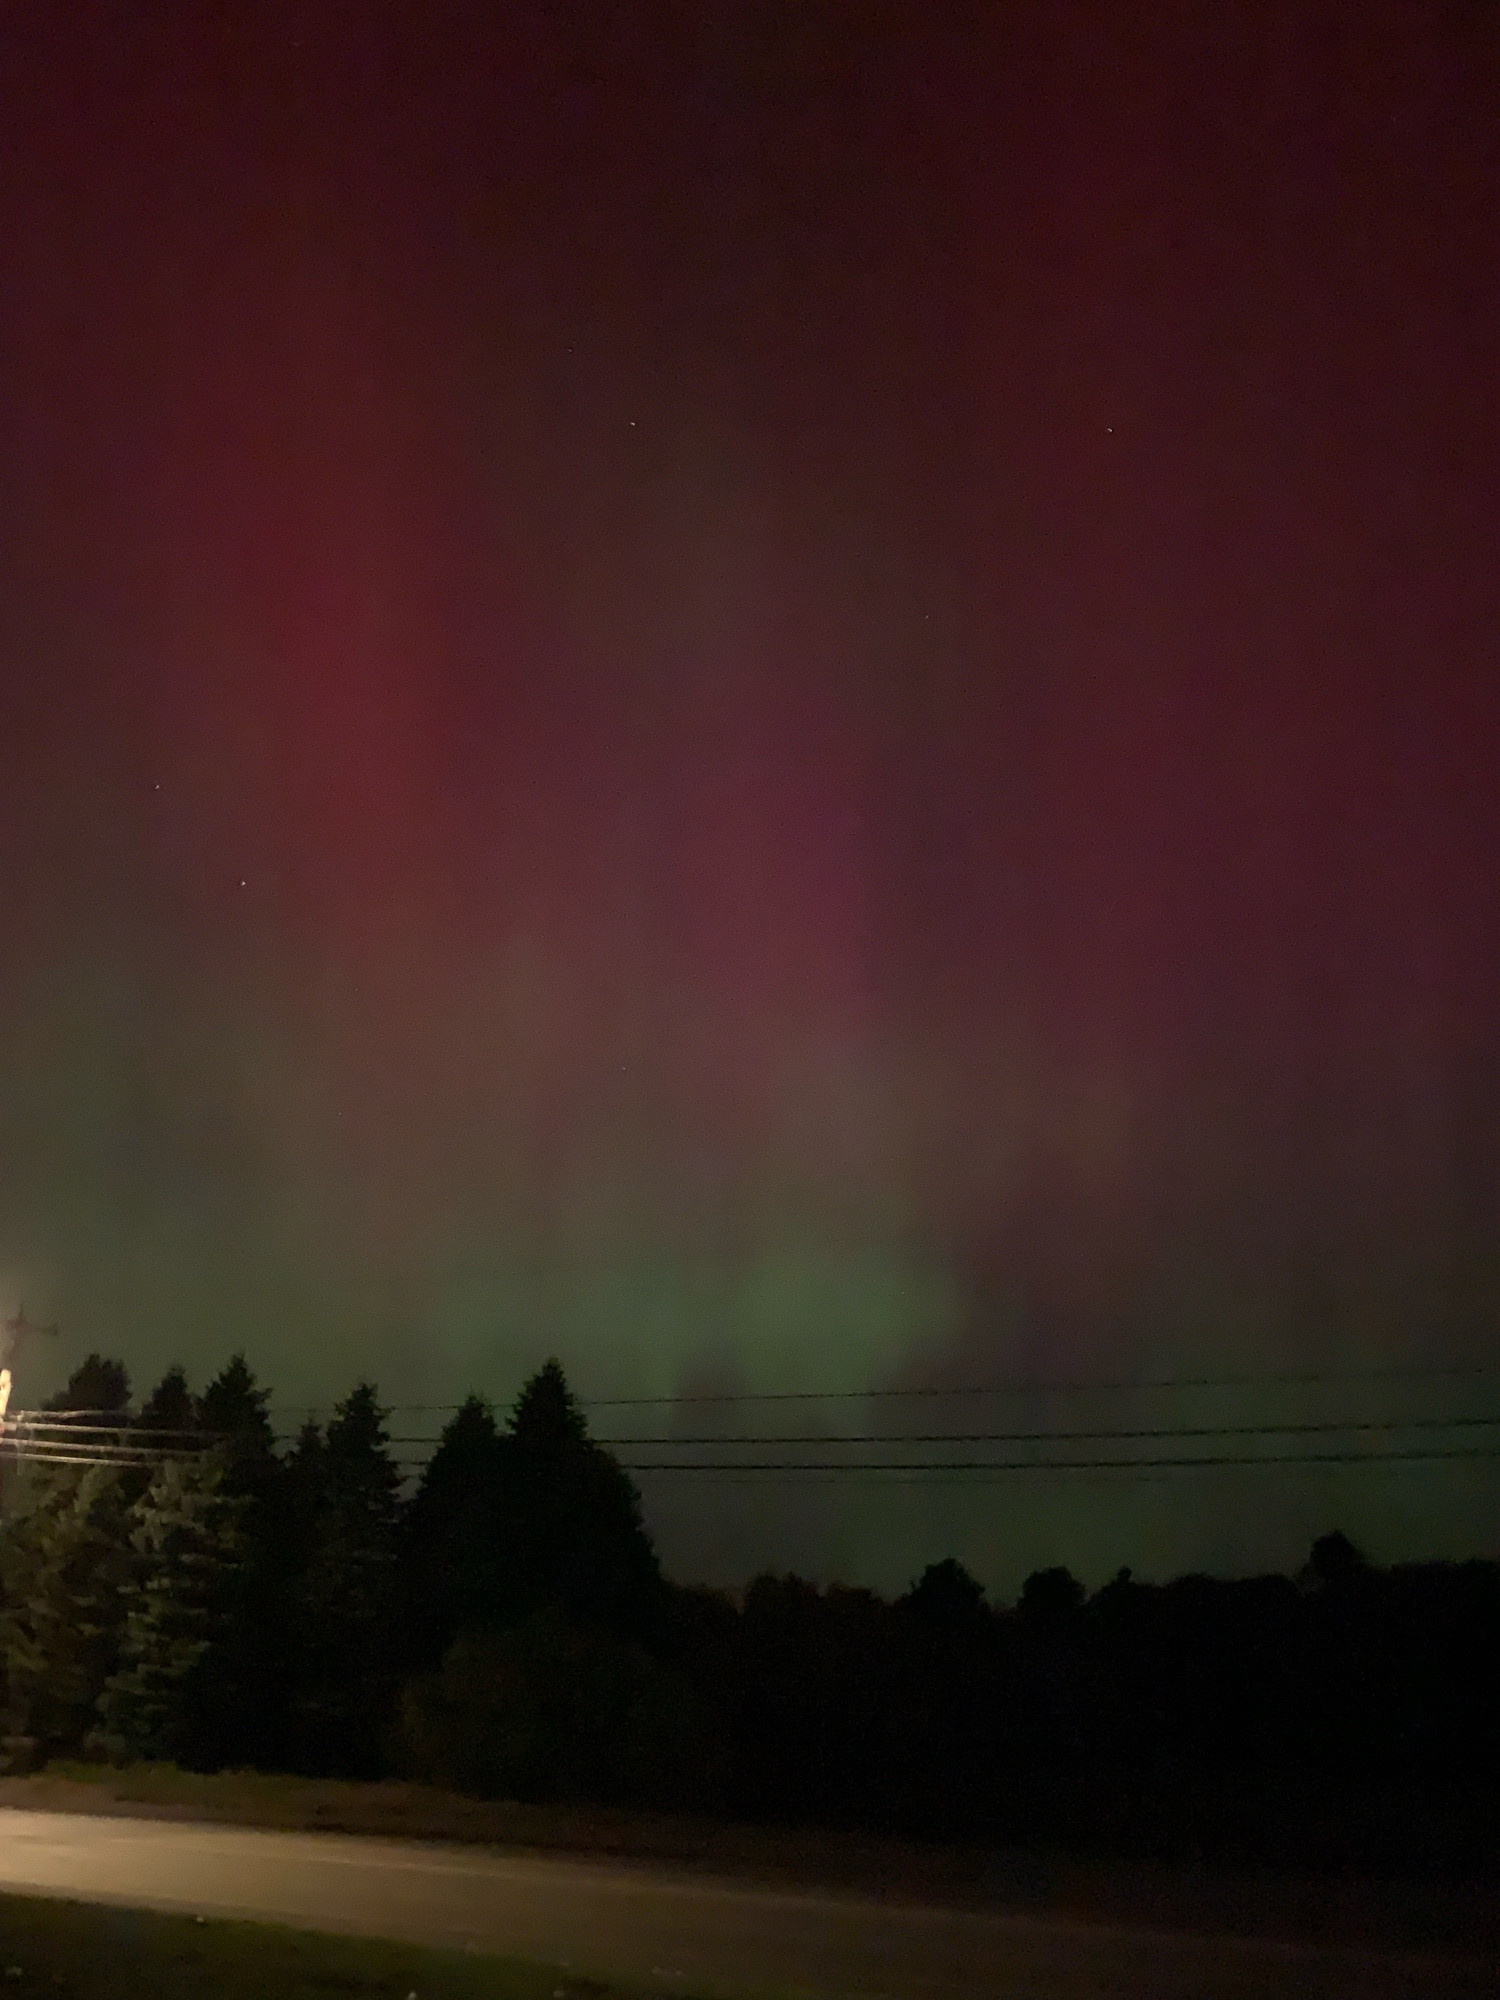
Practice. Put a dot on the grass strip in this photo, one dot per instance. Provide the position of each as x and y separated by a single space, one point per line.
92 1951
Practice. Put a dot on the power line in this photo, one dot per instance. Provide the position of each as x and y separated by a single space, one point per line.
55 1438
123 1420
1413 1372
32 1428
839 1468
1065 1437
1330 1428
1423 1371
48 1454
49 1441
952 1465
68 1458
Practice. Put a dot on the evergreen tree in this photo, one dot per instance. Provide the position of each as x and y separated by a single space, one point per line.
945 1598
546 1418
171 1406
95 1385
63 1563
454 1556
244 1681
233 1409
348 1594
361 1494
574 1531
304 1492
186 1545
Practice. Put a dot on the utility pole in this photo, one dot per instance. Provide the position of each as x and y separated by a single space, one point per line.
17 1332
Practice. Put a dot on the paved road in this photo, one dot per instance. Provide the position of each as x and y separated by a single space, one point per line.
673 1931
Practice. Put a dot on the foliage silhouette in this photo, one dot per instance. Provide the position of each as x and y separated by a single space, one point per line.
63 1563
348 1591
551 1709
95 1384
573 1523
171 1405
178 1607
454 1561
506 1628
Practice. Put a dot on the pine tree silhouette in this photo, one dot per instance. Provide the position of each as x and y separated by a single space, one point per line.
454 1552
171 1405
574 1521
233 1408
348 1593
187 1549
96 1384
64 1563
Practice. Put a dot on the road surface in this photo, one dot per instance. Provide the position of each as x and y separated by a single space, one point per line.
674 1932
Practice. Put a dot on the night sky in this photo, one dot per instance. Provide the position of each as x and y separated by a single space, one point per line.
776 696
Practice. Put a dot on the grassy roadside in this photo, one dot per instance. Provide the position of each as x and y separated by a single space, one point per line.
79 1951
1322 1911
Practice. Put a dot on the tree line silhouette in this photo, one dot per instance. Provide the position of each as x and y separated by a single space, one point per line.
506 1631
